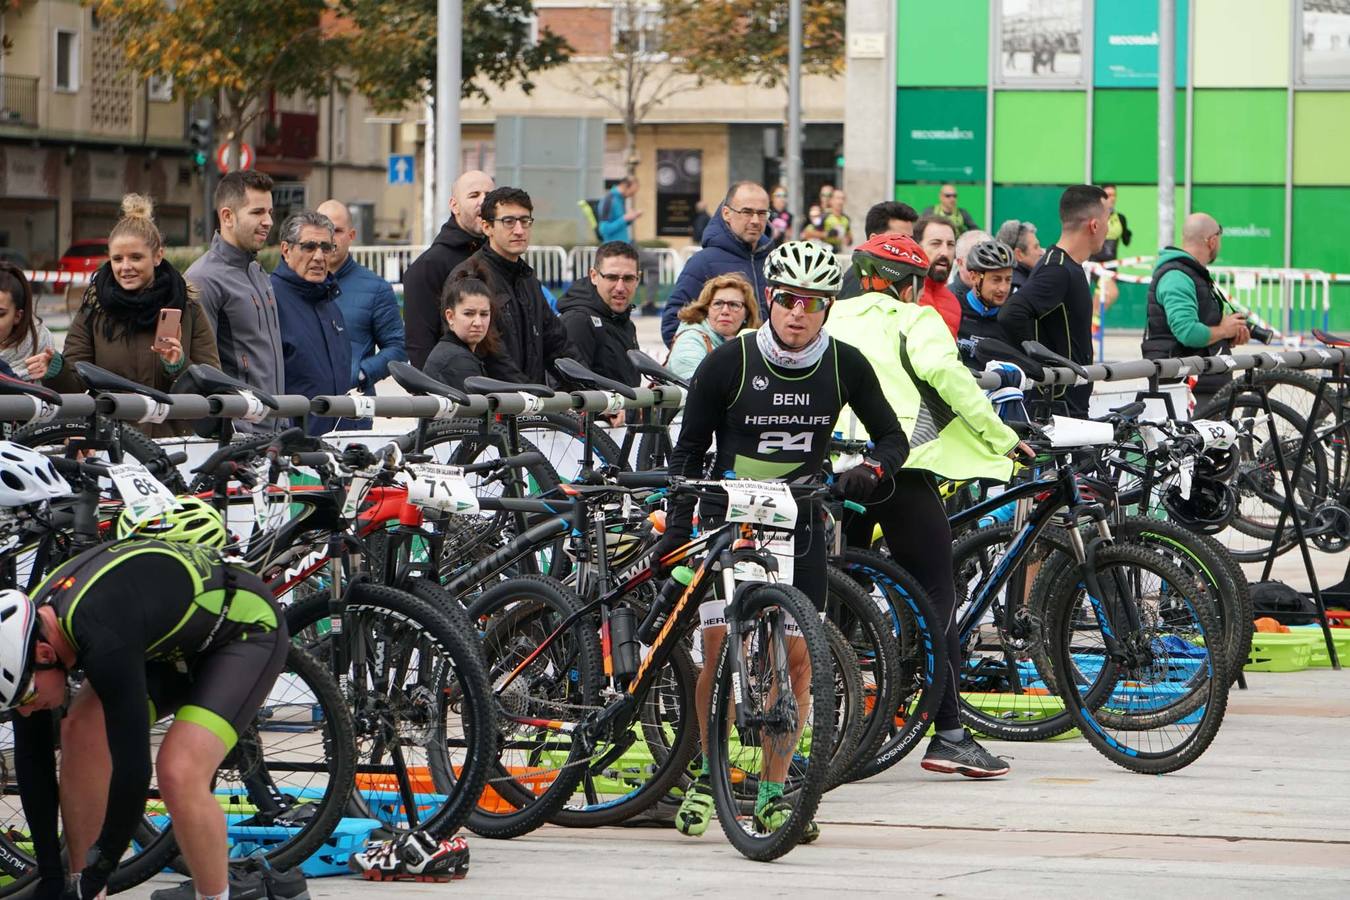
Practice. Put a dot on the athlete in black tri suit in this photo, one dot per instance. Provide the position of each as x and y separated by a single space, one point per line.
771 399
152 620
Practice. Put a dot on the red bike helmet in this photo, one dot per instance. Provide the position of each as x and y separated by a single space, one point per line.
887 261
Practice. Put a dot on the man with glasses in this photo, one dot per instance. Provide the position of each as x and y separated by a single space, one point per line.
596 314
1026 248
314 341
374 324
736 240
1055 305
947 209
530 331
1186 309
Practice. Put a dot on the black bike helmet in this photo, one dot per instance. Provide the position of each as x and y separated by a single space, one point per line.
1218 464
989 256
1208 510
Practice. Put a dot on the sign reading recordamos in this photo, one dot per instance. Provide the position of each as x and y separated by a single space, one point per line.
1126 45
940 135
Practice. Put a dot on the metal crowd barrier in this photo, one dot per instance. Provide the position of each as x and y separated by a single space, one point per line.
135 408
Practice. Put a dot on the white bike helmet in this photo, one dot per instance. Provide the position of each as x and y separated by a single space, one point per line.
18 623
802 264
27 476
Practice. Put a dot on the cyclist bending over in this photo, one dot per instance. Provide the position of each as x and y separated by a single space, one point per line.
165 620
771 398
953 432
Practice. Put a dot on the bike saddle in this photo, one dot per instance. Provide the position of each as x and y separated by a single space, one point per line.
1329 339
654 370
993 350
106 382
481 384
1131 410
578 374
1043 354
415 381
210 380
11 386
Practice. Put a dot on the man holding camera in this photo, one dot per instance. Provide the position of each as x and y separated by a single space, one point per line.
1186 310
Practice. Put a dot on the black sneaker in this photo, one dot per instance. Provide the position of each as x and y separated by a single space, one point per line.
412 856
964 757
243 886
281 884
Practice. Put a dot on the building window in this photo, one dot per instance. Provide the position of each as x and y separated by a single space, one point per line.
637 28
67 57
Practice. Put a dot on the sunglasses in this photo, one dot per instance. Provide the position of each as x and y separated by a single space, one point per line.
809 303
32 693
311 246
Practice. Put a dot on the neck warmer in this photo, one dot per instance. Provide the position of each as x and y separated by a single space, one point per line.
122 313
784 358
984 312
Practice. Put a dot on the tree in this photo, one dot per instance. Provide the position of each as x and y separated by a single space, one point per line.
233 52
637 76
742 41
392 48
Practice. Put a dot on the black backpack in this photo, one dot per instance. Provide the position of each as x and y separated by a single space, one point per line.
1277 600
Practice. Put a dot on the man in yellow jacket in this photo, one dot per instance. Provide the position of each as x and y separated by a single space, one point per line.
953 432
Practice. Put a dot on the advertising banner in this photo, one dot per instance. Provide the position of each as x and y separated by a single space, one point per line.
941 135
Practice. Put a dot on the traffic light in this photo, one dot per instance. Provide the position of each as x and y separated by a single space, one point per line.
199 135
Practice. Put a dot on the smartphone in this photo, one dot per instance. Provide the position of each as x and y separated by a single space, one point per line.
168 326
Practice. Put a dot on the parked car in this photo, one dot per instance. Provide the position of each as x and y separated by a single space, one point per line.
84 257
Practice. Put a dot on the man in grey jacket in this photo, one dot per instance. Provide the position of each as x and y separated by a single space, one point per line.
235 291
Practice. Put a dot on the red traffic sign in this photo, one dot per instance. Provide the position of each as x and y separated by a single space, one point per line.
223 153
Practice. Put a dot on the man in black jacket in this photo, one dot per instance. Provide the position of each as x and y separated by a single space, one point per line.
460 238
886 217
1055 305
530 331
595 313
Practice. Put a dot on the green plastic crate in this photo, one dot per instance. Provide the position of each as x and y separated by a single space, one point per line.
1291 652
1320 658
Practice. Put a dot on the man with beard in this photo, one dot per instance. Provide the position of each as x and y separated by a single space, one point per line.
938 239
460 237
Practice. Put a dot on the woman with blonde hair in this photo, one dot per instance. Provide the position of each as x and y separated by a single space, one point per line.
115 328
724 308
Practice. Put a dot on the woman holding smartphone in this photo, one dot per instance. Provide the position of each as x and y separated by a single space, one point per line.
139 318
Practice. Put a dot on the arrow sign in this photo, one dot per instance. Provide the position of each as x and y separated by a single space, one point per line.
401 169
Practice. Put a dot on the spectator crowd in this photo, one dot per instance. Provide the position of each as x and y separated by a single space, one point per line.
322 323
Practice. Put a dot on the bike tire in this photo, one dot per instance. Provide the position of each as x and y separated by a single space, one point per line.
1135 741
849 708
421 623
515 616
135 443
733 769
920 652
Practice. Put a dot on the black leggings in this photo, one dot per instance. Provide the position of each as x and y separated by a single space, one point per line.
914 522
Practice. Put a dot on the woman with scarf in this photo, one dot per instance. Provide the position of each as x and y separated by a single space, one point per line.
115 326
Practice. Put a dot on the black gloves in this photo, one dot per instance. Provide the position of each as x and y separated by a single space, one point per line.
857 483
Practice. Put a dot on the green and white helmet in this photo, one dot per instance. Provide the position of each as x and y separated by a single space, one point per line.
191 521
805 265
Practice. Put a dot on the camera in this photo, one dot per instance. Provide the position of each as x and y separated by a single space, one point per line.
1261 333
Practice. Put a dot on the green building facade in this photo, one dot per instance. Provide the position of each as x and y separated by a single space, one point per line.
1012 100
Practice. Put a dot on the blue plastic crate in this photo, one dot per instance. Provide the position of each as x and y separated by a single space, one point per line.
330 859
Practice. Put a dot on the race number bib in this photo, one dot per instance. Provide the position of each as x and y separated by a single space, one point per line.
364 406
144 496
442 487
761 503
1217 435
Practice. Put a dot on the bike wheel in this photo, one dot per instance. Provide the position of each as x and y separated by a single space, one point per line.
416 684
52 437
283 787
874 651
849 711
1154 701
1005 689
921 656
538 764
663 740
766 721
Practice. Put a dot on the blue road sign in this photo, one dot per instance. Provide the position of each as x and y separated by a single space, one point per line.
401 169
